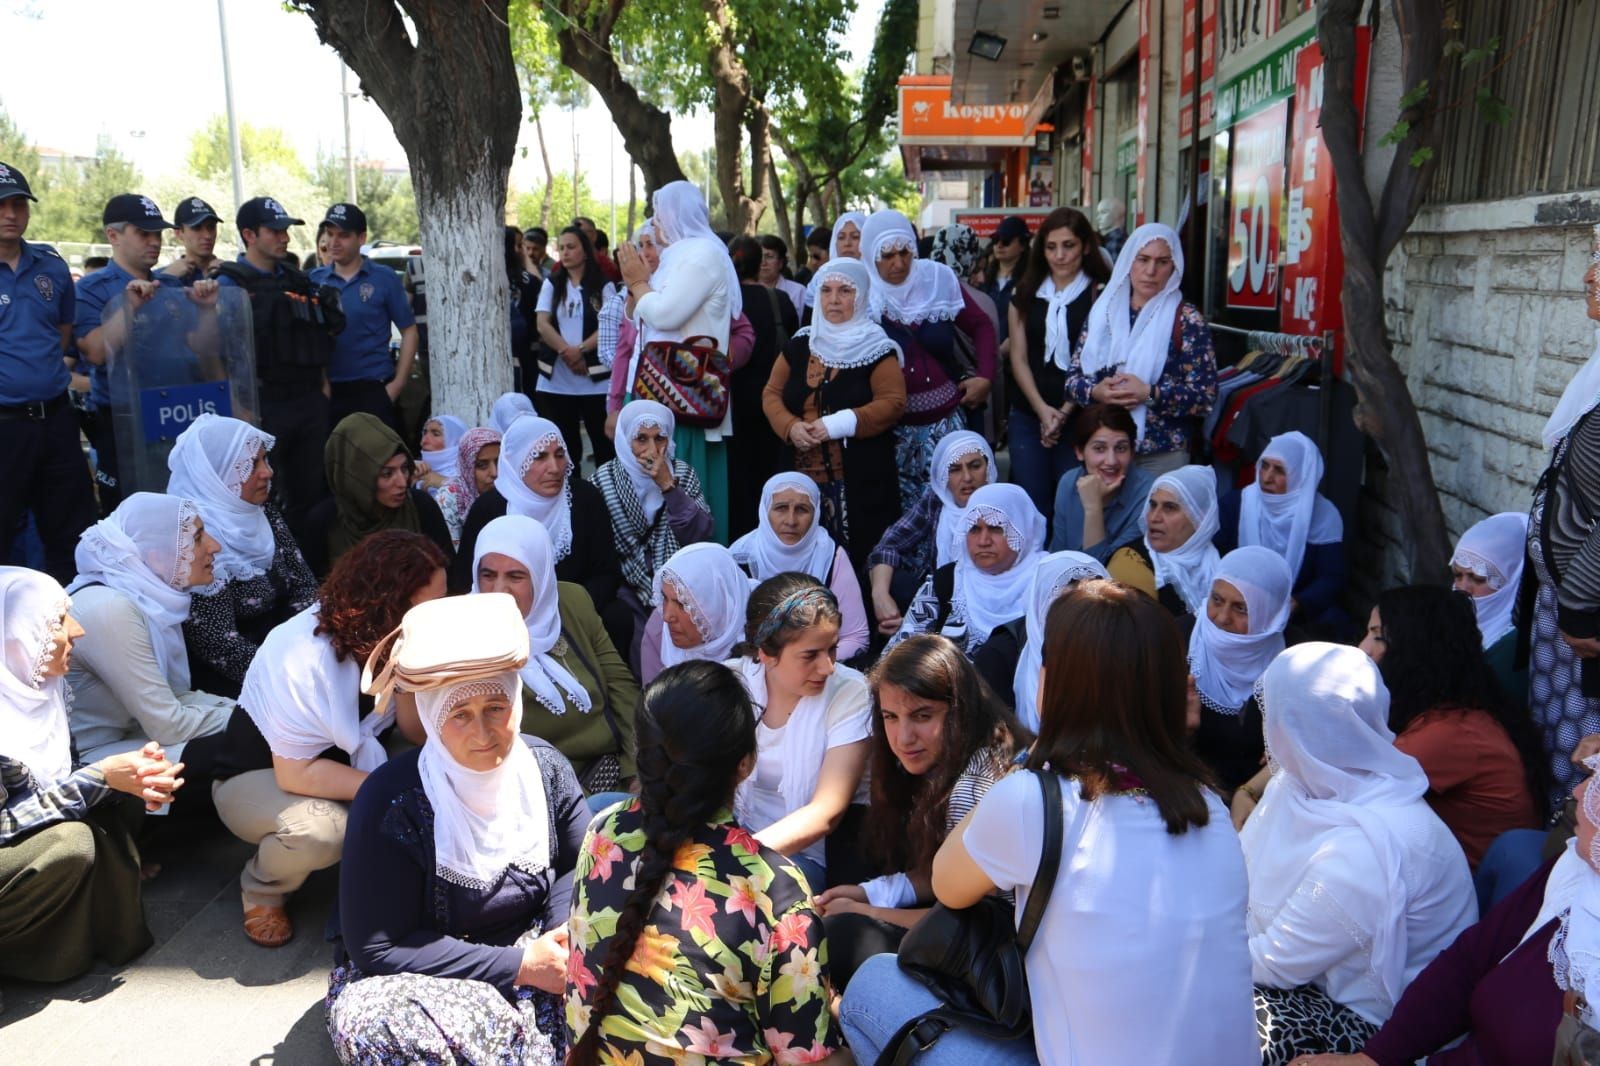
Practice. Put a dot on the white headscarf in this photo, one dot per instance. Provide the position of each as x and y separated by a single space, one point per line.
527 437
1141 348
1288 521
508 408
714 591
1226 666
446 462
636 415
1494 549
525 540
144 550
930 293
952 526
681 221
854 218
1325 715
1188 568
858 342
33 708
484 821
988 601
1057 329
764 555
210 462
1572 893
1055 574
1579 397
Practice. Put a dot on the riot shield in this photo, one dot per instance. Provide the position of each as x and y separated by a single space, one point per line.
183 356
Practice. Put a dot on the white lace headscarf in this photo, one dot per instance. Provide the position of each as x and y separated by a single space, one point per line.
1494 549
1572 894
529 436
634 416
1226 666
508 408
1188 567
954 448
858 342
33 708
985 602
681 222
851 218
930 293
144 550
1055 575
765 555
1287 521
445 462
210 462
706 579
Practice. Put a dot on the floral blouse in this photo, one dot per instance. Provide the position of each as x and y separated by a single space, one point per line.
731 964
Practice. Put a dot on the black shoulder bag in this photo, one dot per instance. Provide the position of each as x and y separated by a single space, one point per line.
974 958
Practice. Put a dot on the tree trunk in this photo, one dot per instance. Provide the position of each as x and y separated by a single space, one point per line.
459 134
646 130
755 202
1368 233
780 212
549 174
731 83
633 196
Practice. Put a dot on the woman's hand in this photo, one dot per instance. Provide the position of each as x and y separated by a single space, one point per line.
1050 422
841 899
611 425
659 469
146 774
544 962
1191 706
572 355
887 612
426 477
804 435
632 265
1241 807
1093 492
1583 647
1589 745
1126 390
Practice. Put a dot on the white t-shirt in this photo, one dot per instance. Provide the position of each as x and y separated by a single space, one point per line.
568 319
1142 954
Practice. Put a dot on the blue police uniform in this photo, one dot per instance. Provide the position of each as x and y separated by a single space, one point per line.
94 292
361 367
36 300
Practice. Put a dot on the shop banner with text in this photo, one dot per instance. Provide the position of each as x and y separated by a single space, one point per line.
1256 185
1145 74
1208 61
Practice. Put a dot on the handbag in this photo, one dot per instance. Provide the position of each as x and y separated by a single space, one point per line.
973 958
687 377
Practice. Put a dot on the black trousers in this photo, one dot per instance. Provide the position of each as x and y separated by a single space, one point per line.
107 479
569 413
46 473
357 397
299 421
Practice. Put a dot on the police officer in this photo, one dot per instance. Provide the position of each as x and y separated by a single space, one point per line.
197 232
133 227
363 376
45 468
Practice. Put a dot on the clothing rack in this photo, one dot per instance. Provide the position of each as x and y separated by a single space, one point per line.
1308 345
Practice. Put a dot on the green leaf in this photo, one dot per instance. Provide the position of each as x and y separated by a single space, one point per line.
1421 157
1478 55
1418 93
1492 109
1399 132
1454 47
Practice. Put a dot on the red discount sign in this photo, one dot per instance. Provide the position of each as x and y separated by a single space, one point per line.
1256 186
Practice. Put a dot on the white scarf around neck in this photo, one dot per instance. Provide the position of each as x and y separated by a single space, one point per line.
1057 328
210 462
34 728
706 579
1577 399
930 293
1287 521
446 462
528 436
637 415
765 555
1188 568
984 601
1495 549
1226 666
953 448
858 342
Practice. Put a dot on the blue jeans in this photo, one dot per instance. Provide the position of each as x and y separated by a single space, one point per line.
1510 860
881 998
1033 466
816 873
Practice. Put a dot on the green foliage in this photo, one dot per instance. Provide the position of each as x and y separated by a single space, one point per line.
1417 94
388 199
524 206
1477 55
14 147
1397 133
209 153
1421 157
1491 108
72 197
537 55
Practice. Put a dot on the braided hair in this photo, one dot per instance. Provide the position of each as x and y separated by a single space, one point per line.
694 729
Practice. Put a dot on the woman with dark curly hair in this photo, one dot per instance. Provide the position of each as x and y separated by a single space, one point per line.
687 932
940 739
303 737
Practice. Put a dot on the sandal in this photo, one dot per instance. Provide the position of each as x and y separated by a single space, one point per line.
267 926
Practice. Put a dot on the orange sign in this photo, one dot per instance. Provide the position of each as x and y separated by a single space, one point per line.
928 115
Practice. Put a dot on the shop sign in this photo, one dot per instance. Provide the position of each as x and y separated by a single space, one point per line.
985 220
1088 143
929 115
1041 181
1145 72
1208 48
1256 184
1263 85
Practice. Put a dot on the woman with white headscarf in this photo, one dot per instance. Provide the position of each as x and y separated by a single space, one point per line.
1234 640
1487 566
981 599
1175 560
693 293
455 885
1355 884
789 537
130 671
948 344
508 408
68 862
1145 348
259 577
846 240
701 594
579 692
1055 576
1283 511
833 399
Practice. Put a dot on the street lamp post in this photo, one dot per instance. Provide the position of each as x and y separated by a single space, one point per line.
233 125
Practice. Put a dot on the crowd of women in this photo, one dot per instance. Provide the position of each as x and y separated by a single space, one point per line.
663 756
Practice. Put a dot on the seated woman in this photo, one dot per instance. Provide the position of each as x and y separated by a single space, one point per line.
130 671
450 935
1148 906
654 501
737 957
259 577
814 721
1231 644
1482 755
581 694
702 594
1057 575
788 538
940 739
69 868
925 537
980 600
440 462
477 464
369 474
303 737
834 398
1355 884
1100 501
507 409
1487 565
1284 511
1175 560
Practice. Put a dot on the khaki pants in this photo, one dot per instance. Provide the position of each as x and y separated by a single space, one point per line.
294 835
